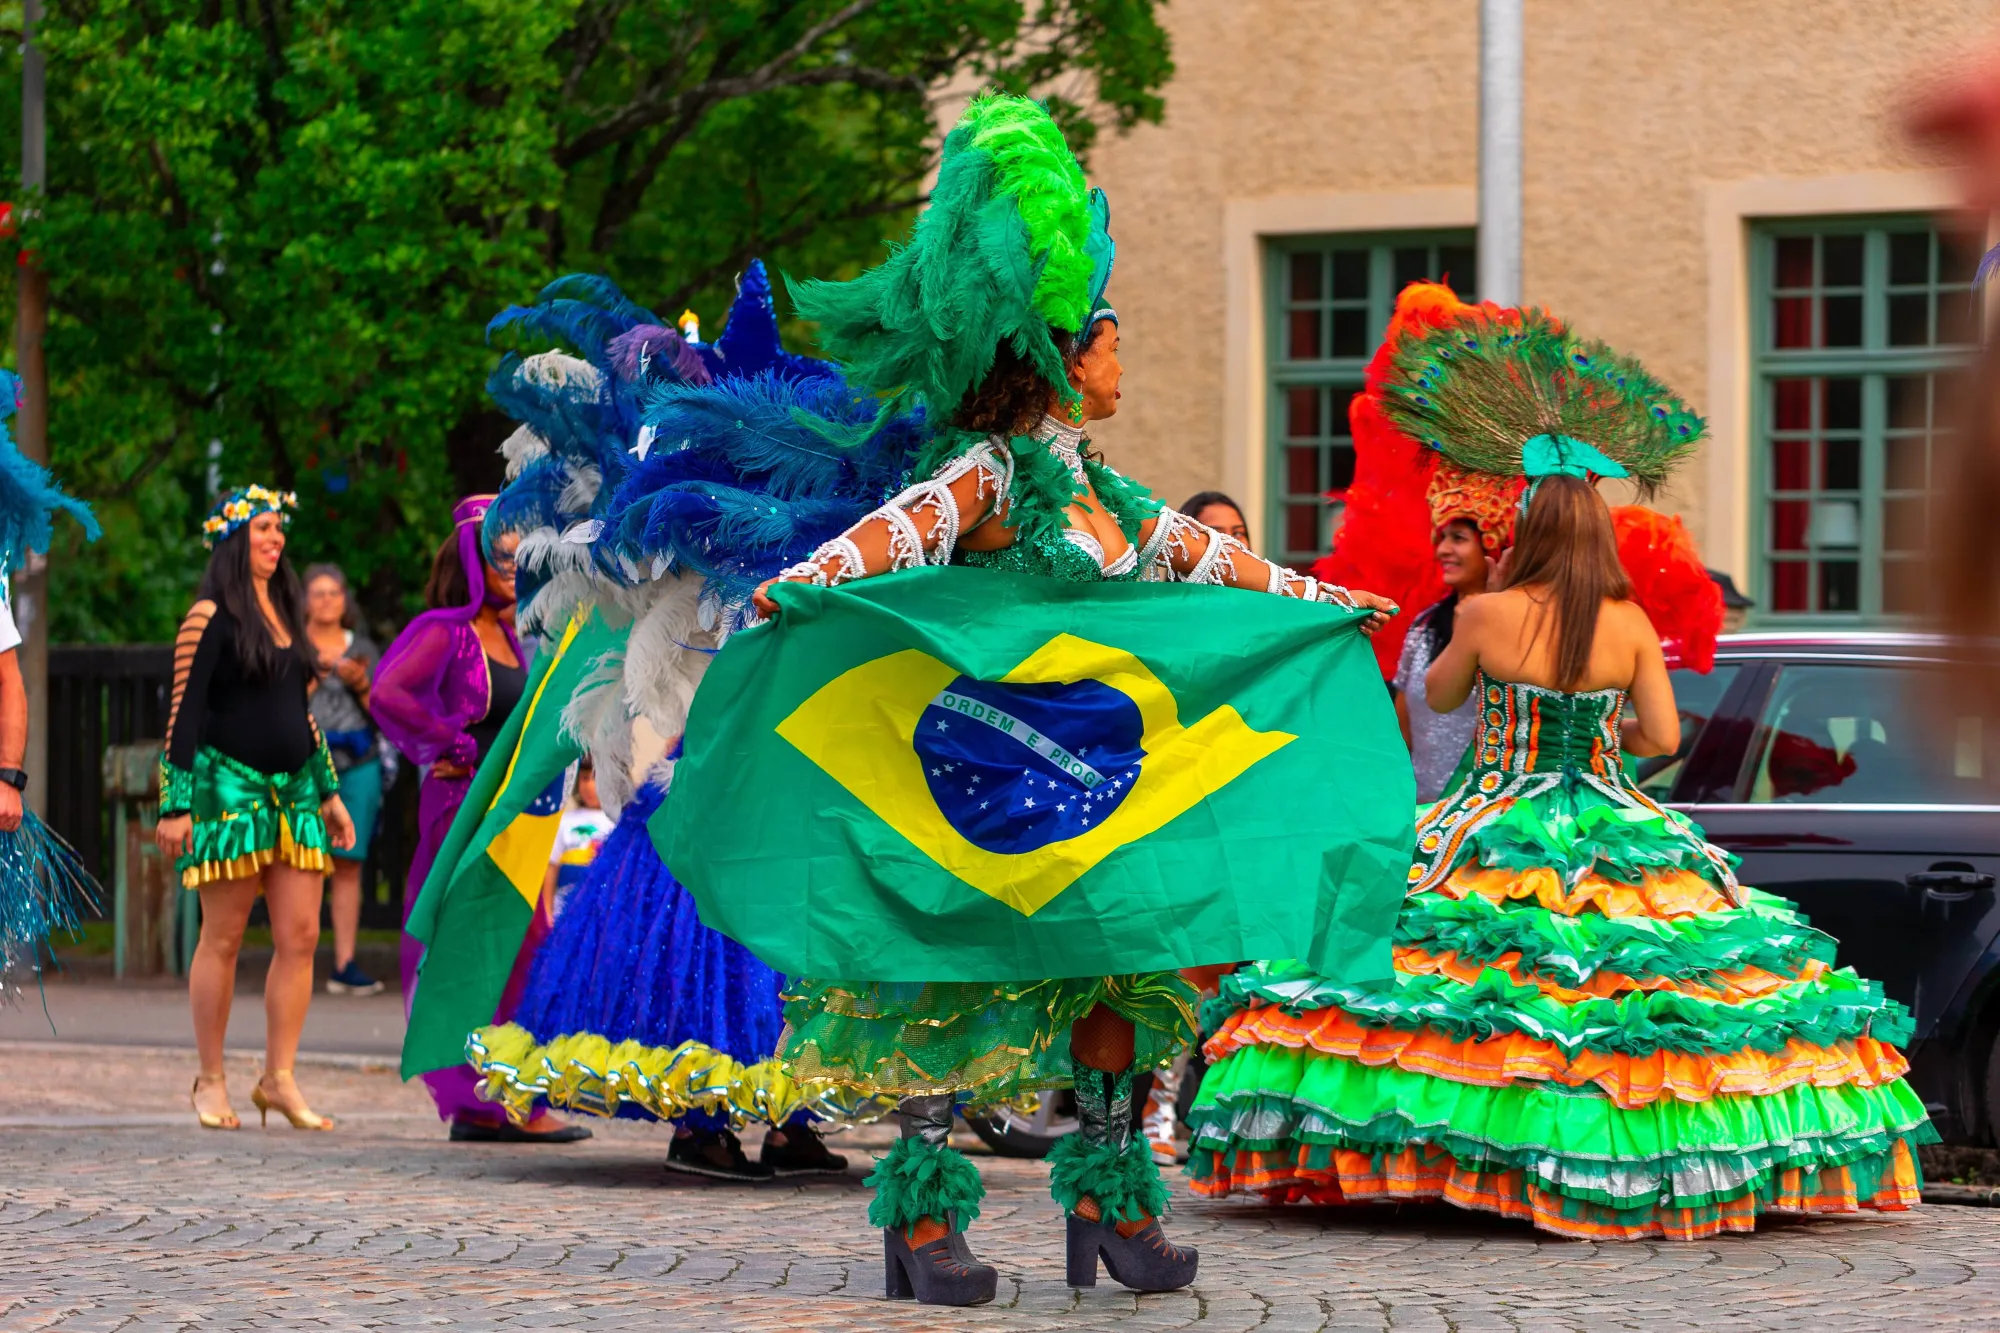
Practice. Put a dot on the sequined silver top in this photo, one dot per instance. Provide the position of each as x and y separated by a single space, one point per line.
1437 740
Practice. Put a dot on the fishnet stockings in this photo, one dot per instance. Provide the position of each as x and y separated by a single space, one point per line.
1102 1040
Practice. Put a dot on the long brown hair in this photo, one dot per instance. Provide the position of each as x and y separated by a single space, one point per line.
1565 543
447 585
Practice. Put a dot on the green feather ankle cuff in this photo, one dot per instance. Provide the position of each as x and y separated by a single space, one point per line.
916 1181
1125 1181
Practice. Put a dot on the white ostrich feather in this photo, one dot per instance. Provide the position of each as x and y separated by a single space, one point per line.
559 370
521 448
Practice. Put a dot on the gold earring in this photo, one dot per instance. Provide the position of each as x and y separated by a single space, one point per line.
1076 410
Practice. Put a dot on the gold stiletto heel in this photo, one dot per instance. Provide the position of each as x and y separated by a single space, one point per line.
303 1118
210 1120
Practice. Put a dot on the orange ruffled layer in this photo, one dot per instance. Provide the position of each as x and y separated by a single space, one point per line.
1745 984
1406 1177
1629 1081
1666 893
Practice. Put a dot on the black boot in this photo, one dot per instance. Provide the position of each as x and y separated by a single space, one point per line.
714 1153
1104 1174
803 1152
922 1178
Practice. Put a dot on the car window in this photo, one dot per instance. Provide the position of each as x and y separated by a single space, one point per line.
1853 735
1696 695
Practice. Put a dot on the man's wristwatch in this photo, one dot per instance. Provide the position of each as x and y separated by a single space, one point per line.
17 778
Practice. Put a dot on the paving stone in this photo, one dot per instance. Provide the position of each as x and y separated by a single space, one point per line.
385 1225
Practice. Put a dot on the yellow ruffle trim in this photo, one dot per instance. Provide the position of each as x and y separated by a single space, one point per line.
253 862
1665 894
586 1072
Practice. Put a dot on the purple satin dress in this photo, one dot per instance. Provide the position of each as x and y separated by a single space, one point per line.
431 686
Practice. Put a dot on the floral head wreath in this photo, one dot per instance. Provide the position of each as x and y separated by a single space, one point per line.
241 505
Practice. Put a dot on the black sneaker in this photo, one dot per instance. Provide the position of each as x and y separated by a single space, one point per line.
803 1153
351 980
715 1154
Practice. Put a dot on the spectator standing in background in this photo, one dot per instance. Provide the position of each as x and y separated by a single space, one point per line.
1218 511
579 836
1438 741
340 707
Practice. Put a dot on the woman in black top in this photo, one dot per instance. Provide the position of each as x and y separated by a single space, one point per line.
248 796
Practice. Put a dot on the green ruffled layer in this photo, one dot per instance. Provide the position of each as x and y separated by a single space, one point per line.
990 1039
1574 828
1767 932
1832 1007
245 820
1574 1142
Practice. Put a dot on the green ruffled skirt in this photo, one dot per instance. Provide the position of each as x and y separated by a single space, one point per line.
245 820
989 1040
1581 1031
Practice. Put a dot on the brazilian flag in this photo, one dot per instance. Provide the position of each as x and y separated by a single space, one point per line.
950 774
481 893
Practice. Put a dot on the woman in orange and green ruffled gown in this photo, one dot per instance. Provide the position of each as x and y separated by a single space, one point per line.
1591 1025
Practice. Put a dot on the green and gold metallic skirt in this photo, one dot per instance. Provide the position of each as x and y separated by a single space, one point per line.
245 820
992 1040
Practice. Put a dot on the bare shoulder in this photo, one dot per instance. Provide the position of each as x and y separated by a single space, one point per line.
199 615
1628 616
1488 609
1630 622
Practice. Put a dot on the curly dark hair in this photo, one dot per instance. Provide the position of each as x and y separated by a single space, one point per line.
1014 395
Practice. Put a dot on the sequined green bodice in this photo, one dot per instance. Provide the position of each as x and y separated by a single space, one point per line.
1051 557
1056 556
1527 729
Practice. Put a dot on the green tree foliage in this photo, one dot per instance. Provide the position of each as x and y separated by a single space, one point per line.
275 229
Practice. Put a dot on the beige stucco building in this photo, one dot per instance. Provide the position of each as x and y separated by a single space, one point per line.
1717 187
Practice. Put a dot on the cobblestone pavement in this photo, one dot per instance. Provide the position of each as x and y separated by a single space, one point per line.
115 1212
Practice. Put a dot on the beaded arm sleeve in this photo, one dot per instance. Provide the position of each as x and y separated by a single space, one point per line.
920 526
1175 548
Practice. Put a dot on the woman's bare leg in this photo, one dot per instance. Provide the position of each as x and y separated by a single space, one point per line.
345 909
225 910
293 897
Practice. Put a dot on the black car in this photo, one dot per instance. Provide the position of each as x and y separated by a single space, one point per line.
1837 766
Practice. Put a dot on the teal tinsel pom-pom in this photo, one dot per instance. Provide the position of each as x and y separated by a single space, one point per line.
1125 1181
917 1180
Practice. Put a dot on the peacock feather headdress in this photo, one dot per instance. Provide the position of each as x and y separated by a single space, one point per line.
1514 394
1465 407
1014 247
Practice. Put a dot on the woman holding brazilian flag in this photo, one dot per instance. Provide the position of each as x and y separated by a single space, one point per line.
1018 794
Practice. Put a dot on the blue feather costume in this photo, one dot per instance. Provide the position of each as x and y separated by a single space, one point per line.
674 470
43 886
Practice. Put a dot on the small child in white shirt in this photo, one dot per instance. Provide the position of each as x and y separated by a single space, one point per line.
583 829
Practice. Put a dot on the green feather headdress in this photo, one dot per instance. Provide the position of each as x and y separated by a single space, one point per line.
1013 247
1516 395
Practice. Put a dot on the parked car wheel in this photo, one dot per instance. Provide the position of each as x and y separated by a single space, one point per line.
1026 1127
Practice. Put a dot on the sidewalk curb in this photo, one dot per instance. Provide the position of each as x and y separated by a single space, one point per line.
327 1059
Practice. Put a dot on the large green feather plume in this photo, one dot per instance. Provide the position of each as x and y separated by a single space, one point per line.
1478 389
1001 254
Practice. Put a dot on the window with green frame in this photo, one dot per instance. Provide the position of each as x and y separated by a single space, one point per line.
1330 298
1855 322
